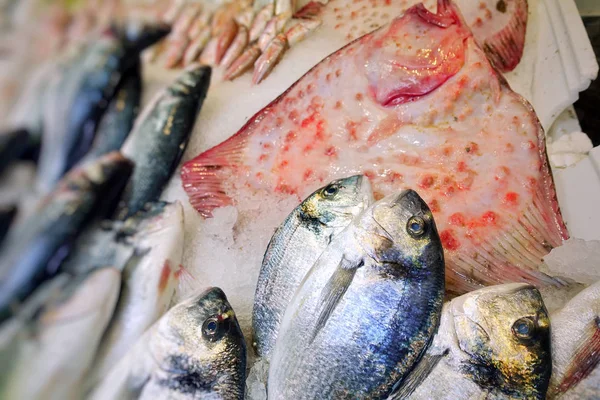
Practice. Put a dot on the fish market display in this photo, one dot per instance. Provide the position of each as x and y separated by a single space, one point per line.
425 110
295 247
241 36
149 281
34 249
79 92
159 138
492 343
118 119
59 347
196 350
367 309
576 347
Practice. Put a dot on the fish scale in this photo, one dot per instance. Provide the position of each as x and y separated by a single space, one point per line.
445 124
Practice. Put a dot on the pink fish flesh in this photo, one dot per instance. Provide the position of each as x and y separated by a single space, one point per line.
415 104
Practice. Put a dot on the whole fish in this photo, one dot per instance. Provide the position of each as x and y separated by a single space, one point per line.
295 247
80 93
149 282
53 357
35 249
576 347
196 350
118 119
367 309
492 343
7 215
13 145
160 136
422 112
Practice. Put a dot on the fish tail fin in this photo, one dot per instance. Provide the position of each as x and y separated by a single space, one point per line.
585 359
505 47
203 178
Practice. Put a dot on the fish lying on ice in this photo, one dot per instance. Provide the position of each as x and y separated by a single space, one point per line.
367 309
492 343
79 93
295 247
149 281
196 350
425 110
36 247
576 347
160 136
54 355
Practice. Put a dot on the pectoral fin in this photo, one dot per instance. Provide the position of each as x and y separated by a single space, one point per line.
405 387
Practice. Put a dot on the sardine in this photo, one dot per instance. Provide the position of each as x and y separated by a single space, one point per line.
196 350
576 347
492 343
367 309
295 247
421 113
53 356
81 93
149 282
117 121
160 136
34 250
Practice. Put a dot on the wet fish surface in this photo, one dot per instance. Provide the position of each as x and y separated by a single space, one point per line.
367 310
576 347
160 136
34 250
196 350
427 111
295 247
492 343
58 345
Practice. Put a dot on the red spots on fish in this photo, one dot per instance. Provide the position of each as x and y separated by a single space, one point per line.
472 148
165 273
284 188
434 206
308 174
489 218
338 72
530 183
320 133
293 115
290 137
447 151
259 176
388 2
461 166
263 158
457 219
359 96
278 122
328 77
377 195
529 145
370 174
338 105
502 173
267 146
427 181
308 120
310 88
351 129
283 164
449 240
511 199
331 151
509 148
307 149
393 178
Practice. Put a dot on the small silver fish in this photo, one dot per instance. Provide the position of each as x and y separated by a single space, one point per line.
196 350
295 247
492 343
367 310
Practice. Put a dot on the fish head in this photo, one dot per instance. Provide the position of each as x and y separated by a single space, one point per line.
505 331
338 203
193 83
401 230
210 340
138 34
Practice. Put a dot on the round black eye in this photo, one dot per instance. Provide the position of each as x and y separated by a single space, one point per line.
415 226
524 328
210 327
330 190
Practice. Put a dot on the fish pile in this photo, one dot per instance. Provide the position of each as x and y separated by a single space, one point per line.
418 200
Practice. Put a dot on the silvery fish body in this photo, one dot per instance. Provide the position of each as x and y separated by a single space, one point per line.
576 347
149 281
295 247
492 343
195 351
34 249
367 309
160 136
54 350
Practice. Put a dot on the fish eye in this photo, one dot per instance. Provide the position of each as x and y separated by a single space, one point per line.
330 190
415 226
210 328
524 328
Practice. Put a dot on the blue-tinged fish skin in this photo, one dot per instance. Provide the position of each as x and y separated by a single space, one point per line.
367 310
35 250
295 247
160 137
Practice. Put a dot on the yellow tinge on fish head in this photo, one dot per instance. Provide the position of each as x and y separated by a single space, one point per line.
506 333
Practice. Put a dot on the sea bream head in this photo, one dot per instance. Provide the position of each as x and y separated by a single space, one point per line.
505 333
211 352
336 204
